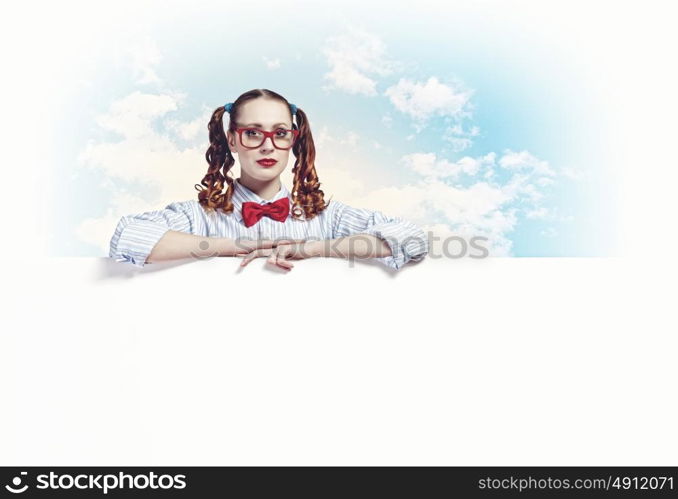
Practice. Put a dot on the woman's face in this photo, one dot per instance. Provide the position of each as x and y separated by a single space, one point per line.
268 115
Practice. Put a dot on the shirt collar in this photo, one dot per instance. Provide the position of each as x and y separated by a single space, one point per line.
242 194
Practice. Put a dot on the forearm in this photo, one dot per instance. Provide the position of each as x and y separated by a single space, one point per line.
355 245
176 245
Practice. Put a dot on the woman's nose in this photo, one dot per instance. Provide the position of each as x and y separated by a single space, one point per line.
267 145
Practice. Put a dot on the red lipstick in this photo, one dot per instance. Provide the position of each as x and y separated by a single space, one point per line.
267 162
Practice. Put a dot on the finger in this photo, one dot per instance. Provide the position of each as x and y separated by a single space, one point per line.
285 264
281 260
248 258
277 258
252 255
273 256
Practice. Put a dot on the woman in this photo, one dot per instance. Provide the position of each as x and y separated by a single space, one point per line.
256 216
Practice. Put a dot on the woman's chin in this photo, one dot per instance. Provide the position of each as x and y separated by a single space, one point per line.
265 173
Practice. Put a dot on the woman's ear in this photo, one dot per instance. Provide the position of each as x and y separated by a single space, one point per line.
230 139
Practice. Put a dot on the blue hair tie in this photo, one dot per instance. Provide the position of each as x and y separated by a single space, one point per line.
229 106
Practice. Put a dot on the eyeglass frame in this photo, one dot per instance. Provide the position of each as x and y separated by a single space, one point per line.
295 134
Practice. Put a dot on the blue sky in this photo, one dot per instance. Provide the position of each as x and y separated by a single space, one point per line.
528 108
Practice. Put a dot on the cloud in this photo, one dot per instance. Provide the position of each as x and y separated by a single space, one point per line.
147 156
477 211
354 58
459 144
530 180
538 213
131 116
431 168
423 101
459 138
483 205
191 130
523 160
357 57
271 63
346 139
97 231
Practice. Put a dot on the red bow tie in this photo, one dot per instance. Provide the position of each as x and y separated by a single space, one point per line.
277 210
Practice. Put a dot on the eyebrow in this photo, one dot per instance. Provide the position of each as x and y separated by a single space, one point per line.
259 124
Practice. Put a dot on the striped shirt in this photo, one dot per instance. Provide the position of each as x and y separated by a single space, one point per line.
136 235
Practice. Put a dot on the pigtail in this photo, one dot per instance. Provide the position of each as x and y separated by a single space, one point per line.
307 198
219 158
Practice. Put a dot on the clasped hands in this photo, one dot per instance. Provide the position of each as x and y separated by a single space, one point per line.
279 252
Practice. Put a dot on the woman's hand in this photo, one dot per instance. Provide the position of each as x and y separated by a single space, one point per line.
285 251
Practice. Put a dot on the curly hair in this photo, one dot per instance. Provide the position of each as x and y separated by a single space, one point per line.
307 198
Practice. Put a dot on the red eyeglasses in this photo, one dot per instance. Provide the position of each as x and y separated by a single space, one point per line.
252 138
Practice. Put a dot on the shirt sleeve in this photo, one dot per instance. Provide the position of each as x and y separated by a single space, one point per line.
136 235
406 240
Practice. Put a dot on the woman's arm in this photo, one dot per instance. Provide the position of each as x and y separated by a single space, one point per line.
174 245
136 235
178 231
407 242
356 245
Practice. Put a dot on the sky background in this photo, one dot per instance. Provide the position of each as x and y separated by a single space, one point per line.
466 118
